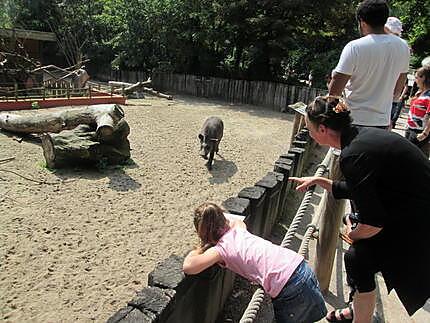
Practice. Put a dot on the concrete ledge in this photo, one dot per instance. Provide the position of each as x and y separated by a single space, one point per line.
273 191
255 220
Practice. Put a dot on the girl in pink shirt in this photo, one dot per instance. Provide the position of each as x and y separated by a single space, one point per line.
282 273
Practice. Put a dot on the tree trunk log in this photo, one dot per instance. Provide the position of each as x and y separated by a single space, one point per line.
129 87
80 146
104 117
156 93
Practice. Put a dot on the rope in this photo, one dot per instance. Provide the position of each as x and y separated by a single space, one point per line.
254 305
305 202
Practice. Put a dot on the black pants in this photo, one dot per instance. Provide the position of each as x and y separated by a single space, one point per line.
424 145
362 262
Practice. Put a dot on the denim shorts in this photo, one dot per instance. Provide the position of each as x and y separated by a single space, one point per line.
300 300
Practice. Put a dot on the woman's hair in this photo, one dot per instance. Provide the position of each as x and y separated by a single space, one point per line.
210 223
330 111
425 72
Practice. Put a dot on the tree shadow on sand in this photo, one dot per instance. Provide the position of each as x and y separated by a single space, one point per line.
119 180
221 171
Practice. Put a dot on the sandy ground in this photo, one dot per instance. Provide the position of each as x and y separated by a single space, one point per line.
79 250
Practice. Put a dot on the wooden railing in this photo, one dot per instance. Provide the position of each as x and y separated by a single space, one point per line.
10 92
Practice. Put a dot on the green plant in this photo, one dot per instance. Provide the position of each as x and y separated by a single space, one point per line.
35 105
42 164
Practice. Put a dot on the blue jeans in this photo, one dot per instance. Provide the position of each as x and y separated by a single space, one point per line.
396 108
300 300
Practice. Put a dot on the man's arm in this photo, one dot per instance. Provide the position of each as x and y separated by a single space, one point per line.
400 85
338 83
363 231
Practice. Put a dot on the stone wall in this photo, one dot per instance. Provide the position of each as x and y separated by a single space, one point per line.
173 297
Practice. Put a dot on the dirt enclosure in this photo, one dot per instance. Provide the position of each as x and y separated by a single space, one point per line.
79 249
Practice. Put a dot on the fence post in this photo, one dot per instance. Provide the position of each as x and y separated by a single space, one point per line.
297 125
16 92
111 90
68 91
331 214
89 91
43 93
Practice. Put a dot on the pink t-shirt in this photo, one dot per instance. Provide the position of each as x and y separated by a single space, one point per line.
257 259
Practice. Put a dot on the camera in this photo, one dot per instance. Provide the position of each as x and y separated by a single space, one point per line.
353 217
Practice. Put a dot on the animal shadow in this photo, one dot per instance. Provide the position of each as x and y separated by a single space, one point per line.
222 170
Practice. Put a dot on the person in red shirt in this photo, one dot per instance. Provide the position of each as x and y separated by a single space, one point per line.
418 127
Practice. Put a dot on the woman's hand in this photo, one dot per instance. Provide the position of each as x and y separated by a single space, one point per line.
348 226
304 182
421 136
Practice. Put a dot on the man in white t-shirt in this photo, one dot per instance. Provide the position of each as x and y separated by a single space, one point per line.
371 68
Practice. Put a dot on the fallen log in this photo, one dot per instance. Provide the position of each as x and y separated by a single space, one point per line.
128 88
81 146
118 83
158 94
103 116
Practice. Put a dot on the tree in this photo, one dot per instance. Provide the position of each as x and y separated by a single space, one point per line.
251 39
414 15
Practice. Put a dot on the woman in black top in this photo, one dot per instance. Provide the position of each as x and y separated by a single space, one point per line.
388 179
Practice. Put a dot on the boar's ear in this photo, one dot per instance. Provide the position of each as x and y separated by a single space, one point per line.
201 137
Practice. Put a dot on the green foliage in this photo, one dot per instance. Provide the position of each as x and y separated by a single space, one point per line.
42 164
251 39
414 15
5 14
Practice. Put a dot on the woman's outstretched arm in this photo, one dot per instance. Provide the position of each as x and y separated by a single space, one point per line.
306 182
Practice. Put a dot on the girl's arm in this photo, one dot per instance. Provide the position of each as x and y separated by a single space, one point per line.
197 260
426 131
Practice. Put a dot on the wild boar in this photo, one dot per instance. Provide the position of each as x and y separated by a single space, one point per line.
210 137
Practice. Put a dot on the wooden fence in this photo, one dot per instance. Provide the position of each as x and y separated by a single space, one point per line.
122 75
269 94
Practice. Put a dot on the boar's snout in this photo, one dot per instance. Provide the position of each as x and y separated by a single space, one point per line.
204 151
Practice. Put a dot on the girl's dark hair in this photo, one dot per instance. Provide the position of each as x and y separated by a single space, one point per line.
329 111
373 12
425 72
210 223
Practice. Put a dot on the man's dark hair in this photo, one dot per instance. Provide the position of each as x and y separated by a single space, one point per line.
373 12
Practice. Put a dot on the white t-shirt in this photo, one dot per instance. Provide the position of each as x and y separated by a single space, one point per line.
374 63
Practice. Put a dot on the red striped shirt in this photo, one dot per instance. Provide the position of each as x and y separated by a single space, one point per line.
419 107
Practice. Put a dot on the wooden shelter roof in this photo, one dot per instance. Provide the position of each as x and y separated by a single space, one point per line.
27 34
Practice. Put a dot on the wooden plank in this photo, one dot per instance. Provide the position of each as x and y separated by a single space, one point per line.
59 102
27 34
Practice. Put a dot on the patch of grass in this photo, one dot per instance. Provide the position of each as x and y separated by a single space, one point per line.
42 164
